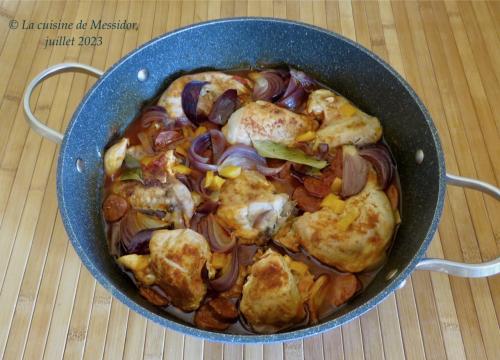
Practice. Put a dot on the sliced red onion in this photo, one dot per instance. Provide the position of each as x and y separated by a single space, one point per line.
268 86
284 74
303 79
165 138
293 84
220 240
246 254
153 113
218 142
133 229
379 156
270 171
199 145
139 244
203 227
194 223
354 176
189 99
207 207
229 277
223 107
241 155
295 99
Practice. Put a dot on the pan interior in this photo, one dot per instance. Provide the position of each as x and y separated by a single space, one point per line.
117 98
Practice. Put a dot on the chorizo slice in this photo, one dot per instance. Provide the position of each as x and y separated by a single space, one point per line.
114 207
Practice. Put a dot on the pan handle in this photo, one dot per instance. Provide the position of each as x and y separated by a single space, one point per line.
489 268
36 124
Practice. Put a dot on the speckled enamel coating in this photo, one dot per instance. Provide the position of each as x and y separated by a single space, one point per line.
347 67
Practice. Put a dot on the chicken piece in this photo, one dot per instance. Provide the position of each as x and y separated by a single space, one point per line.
272 298
173 198
263 120
140 265
352 240
178 258
342 123
250 206
218 82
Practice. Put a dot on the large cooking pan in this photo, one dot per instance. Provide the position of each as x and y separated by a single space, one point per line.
355 72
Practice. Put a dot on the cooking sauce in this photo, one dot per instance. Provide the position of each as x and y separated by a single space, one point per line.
315 267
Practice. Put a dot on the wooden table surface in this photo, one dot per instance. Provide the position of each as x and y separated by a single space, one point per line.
49 304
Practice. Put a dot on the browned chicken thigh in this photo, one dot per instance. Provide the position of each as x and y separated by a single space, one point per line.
263 120
352 240
178 258
274 294
252 208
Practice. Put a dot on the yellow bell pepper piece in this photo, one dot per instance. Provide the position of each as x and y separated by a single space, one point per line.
217 183
347 110
209 178
230 171
336 186
180 150
181 169
333 202
187 131
347 219
200 130
307 136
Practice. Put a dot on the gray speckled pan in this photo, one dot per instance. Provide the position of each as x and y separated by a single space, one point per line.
350 69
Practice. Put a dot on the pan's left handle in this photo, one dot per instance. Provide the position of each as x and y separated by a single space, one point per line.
489 268
36 124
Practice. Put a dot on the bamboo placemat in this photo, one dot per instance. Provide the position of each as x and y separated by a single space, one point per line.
51 307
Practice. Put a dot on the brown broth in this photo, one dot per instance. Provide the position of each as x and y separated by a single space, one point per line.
315 267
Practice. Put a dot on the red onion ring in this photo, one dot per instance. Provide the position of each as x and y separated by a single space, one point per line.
303 79
379 156
355 174
246 254
207 207
218 142
151 114
220 240
189 99
295 99
223 107
268 86
199 145
227 279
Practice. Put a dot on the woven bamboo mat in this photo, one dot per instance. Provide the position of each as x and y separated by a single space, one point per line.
51 307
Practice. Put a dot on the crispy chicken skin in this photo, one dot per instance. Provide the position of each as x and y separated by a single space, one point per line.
273 296
218 82
361 246
251 207
263 120
178 258
341 122
172 197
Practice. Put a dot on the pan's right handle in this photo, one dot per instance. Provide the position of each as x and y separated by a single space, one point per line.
489 268
36 124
